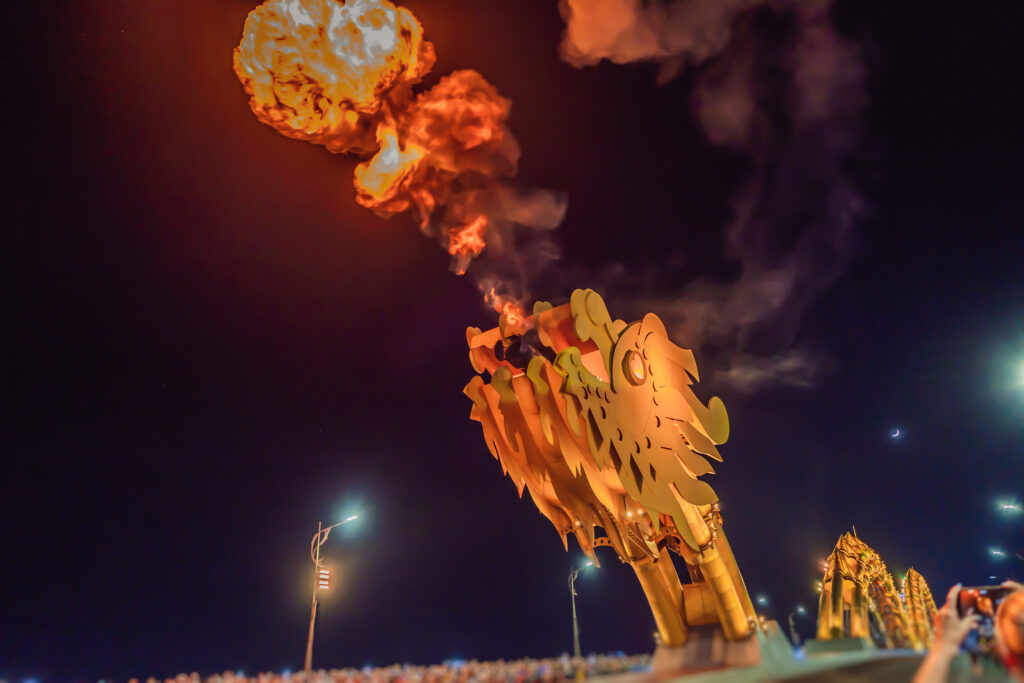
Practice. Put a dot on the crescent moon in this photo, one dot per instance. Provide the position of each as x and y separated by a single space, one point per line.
895 434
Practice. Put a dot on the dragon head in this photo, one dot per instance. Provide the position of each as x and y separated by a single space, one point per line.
615 397
639 410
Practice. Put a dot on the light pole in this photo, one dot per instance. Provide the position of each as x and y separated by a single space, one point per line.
801 610
314 554
575 623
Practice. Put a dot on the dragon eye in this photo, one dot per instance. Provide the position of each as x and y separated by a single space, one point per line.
634 368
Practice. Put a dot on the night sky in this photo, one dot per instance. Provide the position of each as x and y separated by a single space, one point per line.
211 347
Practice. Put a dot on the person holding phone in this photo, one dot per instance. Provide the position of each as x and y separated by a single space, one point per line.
952 627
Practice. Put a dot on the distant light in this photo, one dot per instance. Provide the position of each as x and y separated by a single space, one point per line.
800 609
350 509
589 564
762 600
895 433
997 553
1009 507
994 578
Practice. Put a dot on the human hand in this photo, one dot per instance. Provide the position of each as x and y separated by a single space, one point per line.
950 627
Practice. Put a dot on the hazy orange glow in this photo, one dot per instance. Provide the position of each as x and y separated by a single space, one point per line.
340 74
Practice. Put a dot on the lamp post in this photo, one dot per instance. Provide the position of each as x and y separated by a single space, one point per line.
575 623
322 580
801 610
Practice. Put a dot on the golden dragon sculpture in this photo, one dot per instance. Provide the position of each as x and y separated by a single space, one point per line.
598 420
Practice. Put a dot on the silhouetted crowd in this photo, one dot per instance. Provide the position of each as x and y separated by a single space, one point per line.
563 668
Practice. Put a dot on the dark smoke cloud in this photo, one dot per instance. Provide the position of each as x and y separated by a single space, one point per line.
777 83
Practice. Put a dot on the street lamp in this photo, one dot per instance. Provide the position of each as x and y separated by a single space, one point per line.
323 576
575 623
801 610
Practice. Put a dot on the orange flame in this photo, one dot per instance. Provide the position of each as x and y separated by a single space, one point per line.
379 178
318 70
340 74
514 314
513 317
467 241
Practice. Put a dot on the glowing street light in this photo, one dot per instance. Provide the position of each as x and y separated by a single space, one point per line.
997 553
575 623
1009 508
798 610
323 581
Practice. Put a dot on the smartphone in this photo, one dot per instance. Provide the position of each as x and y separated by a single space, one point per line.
982 601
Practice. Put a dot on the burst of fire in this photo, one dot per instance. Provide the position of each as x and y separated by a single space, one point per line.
319 70
340 74
380 178
466 242
513 317
514 314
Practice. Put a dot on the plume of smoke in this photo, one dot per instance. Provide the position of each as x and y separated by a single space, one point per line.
776 82
624 31
341 75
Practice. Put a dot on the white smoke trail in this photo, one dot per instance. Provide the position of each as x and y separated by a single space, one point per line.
776 82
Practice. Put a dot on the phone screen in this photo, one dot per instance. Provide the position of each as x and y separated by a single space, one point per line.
982 601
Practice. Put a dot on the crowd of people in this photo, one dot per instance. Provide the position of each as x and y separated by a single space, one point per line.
563 668
951 630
